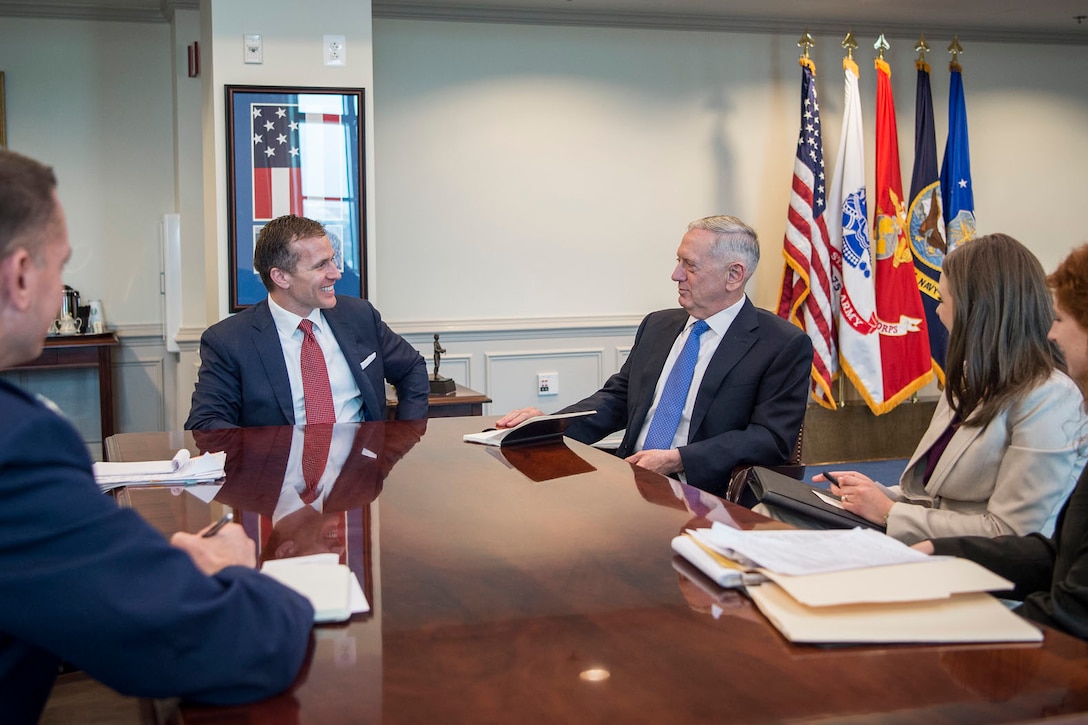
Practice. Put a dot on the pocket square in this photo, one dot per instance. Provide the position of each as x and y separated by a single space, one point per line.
366 363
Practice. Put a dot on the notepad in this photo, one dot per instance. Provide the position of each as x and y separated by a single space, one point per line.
326 585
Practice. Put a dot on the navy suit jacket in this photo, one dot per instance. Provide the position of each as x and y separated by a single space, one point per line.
749 407
93 584
243 377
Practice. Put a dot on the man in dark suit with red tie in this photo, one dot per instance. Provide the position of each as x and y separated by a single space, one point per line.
713 385
304 354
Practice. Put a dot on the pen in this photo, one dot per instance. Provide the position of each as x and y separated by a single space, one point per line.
227 518
830 477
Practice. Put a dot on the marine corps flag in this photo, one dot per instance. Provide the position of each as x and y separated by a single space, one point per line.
956 189
806 298
904 342
925 222
848 232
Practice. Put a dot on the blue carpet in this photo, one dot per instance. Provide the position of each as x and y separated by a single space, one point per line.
886 472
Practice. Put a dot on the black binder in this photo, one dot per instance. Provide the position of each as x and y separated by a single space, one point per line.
797 497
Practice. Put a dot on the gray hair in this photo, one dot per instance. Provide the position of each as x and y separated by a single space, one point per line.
734 241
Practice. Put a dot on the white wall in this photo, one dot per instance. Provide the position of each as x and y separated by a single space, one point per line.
557 166
529 183
94 101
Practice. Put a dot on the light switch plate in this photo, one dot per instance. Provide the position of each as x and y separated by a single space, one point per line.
252 48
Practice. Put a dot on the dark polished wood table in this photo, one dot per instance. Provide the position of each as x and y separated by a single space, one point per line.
537 585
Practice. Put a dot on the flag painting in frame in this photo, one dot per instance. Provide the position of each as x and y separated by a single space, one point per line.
294 151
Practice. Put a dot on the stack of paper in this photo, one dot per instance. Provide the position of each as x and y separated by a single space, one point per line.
183 469
856 586
331 587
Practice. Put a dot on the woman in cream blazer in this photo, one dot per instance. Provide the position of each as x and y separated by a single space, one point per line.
1007 477
1004 447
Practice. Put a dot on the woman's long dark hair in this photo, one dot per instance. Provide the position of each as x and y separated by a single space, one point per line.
1001 314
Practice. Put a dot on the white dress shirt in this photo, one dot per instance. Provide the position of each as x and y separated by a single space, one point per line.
708 344
347 399
294 484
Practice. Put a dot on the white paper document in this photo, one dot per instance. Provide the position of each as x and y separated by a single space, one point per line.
182 469
331 587
809 552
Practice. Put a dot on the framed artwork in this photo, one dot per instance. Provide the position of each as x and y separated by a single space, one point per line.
294 151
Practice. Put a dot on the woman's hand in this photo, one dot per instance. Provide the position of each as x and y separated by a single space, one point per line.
860 495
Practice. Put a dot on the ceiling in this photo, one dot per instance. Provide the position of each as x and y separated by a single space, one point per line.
1021 21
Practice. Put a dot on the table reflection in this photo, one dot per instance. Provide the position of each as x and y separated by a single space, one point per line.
292 506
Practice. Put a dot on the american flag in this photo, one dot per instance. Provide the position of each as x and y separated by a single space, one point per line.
280 146
807 297
277 162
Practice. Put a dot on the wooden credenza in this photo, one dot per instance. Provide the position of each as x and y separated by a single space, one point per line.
463 401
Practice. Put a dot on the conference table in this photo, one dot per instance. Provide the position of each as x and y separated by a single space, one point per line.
537 584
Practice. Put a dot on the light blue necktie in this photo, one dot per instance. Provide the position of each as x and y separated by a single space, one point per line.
667 416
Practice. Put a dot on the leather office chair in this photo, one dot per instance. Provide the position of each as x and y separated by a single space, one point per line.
793 468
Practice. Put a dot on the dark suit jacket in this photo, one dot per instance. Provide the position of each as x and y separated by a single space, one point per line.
95 585
243 377
749 407
1050 574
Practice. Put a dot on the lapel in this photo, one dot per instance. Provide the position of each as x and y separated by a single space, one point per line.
355 351
738 340
266 343
648 374
962 440
957 446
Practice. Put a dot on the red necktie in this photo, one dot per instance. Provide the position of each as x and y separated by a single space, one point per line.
319 411
316 443
315 378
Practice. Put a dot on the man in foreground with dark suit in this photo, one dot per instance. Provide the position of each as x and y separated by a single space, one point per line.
254 369
735 395
85 581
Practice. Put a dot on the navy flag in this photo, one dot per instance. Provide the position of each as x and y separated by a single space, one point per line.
925 223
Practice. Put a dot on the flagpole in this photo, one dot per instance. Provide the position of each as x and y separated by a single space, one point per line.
848 44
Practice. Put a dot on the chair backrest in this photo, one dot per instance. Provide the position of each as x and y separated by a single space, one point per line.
793 468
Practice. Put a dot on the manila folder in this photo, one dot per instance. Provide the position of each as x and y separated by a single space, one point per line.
971 617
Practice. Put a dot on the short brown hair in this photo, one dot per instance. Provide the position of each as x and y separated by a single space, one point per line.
26 202
1070 284
273 249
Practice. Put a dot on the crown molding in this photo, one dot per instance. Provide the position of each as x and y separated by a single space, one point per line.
715 23
132 11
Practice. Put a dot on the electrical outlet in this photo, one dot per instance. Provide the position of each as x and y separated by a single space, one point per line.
252 48
547 383
336 50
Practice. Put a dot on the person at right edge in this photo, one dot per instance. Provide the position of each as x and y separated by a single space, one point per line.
1001 451
84 581
709 387
1050 574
